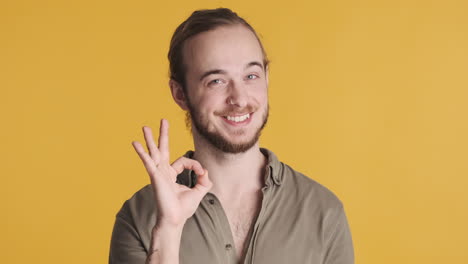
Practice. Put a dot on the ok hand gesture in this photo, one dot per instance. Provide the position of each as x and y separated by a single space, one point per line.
175 203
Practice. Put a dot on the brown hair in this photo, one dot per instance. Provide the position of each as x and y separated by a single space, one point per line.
201 21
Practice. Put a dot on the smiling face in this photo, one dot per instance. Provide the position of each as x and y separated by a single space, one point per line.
226 87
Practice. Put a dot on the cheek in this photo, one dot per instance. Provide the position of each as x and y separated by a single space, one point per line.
260 96
208 104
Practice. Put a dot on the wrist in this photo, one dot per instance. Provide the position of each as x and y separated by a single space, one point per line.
165 241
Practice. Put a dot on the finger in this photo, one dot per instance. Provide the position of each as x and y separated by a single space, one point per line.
152 149
164 140
185 163
147 161
204 184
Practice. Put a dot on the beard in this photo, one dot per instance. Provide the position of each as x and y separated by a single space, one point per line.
195 119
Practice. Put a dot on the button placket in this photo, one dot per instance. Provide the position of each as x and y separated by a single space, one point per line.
225 239
252 244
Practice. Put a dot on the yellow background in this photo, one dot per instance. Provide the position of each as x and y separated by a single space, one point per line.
367 97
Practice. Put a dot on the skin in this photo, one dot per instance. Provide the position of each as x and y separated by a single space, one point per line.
224 78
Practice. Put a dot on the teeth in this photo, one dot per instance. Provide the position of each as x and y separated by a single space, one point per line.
238 118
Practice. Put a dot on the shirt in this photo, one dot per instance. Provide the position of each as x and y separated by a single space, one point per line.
300 221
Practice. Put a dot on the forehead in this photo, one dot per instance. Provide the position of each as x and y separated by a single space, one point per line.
226 47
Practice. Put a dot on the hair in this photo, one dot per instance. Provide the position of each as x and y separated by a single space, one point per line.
198 22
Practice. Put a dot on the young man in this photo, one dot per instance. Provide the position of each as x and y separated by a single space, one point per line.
229 201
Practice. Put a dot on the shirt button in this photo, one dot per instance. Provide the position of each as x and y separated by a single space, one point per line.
211 201
228 246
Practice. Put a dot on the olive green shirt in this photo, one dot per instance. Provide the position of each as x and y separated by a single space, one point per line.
300 221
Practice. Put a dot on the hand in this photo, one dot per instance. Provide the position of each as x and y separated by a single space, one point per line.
175 203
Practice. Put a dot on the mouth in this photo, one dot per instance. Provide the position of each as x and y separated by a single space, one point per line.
238 119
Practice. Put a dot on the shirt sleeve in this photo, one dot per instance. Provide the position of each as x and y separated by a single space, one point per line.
339 248
126 245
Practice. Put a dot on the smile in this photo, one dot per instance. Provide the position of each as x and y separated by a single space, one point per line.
238 118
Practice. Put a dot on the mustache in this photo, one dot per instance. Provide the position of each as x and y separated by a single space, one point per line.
232 111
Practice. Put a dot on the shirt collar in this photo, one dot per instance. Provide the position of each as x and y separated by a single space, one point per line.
274 165
273 170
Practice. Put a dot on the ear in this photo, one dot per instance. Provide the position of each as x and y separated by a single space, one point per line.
178 94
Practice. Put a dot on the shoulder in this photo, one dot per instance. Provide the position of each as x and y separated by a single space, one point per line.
317 207
306 190
143 196
139 210
308 205
133 224
295 187
141 201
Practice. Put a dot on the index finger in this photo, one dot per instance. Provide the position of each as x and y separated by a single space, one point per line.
185 163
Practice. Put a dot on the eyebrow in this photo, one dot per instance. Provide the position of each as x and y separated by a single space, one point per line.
219 71
254 63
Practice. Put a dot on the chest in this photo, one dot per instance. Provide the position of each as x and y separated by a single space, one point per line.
242 217
285 234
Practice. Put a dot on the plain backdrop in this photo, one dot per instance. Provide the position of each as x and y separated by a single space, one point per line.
367 97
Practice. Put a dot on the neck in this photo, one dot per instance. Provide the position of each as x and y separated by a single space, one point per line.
231 174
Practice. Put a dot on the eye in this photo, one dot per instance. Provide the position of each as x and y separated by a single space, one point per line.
252 76
215 82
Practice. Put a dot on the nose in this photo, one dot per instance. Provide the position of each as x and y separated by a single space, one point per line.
237 95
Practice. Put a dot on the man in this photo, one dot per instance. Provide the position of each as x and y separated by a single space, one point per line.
229 201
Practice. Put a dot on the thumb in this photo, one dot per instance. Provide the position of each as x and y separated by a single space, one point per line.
204 183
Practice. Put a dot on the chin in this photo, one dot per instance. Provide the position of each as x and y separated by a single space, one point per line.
228 139
227 145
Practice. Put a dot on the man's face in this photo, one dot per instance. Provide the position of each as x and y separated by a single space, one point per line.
227 87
